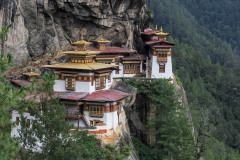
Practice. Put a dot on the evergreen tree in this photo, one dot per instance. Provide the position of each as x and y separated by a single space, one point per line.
173 135
9 99
168 122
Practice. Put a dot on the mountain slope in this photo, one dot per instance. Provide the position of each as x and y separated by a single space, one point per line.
209 69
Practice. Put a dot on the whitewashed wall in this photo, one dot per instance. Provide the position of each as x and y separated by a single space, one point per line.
14 132
155 68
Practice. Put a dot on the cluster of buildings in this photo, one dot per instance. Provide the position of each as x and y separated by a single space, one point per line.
84 83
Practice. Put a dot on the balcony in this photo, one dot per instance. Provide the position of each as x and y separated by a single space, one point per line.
73 114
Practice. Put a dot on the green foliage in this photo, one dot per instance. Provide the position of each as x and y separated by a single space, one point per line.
148 12
202 61
219 16
143 151
10 98
125 150
5 62
179 82
169 123
4 31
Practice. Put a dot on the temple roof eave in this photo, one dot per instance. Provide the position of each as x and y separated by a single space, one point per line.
81 52
77 66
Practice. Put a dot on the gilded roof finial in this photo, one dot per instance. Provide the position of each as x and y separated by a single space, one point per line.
81 37
156 27
31 70
161 30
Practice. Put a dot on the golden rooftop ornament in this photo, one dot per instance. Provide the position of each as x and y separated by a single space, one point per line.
81 45
161 33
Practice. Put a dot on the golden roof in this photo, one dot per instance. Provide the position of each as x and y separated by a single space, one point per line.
31 73
81 66
161 33
101 40
81 44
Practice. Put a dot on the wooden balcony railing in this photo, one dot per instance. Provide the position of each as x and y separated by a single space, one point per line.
96 113
73 114
162 59
131 71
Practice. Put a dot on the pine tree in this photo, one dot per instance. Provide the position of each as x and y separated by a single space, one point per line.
173 135
9 98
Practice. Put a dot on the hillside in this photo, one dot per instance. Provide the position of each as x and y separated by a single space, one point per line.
208 66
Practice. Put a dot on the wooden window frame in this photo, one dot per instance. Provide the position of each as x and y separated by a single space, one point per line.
162 68
96 111
70 85
162 57
131 68
100 82
17 121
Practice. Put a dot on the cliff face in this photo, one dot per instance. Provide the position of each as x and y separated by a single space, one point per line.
42 26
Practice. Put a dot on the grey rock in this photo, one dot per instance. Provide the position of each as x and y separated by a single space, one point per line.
42 26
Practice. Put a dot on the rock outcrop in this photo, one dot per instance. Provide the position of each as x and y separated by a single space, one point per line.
42 26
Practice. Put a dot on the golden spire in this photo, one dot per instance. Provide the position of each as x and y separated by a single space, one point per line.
161 33
81 37
31 70
161 30
156 27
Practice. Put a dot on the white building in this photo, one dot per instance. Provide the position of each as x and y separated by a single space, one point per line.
159 64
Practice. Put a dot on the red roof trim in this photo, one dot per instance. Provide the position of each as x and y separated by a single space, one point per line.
159 41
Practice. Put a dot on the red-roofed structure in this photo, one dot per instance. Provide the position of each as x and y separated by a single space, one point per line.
160 42
71 95
135 57
106 96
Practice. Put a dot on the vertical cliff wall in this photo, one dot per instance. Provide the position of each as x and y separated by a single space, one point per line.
42 26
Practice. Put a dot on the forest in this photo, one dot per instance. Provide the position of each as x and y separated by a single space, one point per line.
206 58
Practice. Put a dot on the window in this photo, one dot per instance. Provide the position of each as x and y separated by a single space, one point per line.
162 57
96 111
17 121
96 122
105 61
161 68
70 83
117 70
131 68
100 83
